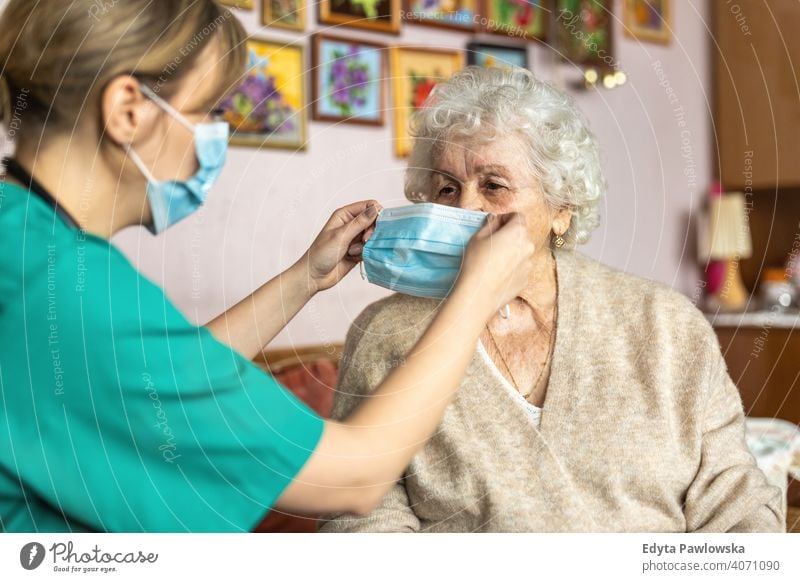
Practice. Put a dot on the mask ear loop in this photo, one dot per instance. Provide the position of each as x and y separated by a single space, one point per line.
505 313
177 115
137 161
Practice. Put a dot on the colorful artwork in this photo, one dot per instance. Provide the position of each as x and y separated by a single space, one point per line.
456 14
492 55
525 19
415 73
244 4
289 14
380 15
648 20
268 108
584 33
348 80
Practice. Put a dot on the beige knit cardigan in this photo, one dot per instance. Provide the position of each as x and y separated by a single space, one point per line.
642 429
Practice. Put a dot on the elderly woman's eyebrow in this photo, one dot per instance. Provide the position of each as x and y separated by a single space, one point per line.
445 174
497 169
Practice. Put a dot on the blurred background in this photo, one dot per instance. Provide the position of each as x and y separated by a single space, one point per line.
655 132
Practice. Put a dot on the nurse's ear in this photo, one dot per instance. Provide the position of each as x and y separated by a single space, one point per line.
125 111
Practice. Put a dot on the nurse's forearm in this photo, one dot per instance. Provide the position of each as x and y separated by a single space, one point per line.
252 323
357 461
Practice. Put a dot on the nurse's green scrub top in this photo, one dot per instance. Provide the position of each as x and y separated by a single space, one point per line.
116 413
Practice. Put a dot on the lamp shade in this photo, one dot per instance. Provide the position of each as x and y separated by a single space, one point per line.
728 228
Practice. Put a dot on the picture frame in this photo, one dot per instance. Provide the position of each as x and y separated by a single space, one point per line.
525 20
241 4
268 109
452 14
648 20
286 14
415 71
348 80
376 15
496 55
583 32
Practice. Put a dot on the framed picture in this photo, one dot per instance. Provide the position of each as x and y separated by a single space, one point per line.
289 14
494 55
648 20
583 31
455 14
244 4
415 73
377 15
524 19
348 79
268 108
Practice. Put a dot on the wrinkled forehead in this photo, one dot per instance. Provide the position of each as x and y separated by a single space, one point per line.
462 157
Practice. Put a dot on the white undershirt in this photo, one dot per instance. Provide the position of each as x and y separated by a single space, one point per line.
533 412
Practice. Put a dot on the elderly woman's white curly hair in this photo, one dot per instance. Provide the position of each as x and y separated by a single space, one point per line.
483 103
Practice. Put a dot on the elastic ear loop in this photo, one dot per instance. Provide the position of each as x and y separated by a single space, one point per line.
505 313
140 164
177 115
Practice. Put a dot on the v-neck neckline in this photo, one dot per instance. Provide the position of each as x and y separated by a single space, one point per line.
530 409
552 394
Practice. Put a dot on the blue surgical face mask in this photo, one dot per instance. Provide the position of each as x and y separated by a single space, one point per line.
174 200
418 249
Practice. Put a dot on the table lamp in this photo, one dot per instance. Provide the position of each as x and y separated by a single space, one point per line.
729 241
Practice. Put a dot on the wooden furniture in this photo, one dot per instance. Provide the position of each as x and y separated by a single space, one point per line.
764 362
757 97
763 357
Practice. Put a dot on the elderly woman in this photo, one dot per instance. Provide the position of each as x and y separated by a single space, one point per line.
602 403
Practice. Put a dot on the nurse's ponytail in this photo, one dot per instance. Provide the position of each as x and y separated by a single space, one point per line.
57 56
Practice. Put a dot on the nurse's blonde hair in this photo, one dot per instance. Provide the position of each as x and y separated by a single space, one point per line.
57 56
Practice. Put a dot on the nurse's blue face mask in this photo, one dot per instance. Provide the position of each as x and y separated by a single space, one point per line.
418 249
174 200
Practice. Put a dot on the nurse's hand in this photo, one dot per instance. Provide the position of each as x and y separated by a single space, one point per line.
337 248
498 263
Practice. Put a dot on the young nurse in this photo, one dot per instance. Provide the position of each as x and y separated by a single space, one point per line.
98 367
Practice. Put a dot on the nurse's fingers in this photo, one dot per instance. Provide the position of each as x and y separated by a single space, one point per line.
497 221
347 213
359 224
367 234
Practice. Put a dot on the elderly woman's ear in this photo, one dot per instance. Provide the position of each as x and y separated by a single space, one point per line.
562 221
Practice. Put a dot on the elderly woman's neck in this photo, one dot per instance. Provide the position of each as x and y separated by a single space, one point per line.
542 289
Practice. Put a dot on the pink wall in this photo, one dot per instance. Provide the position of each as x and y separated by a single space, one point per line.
654 131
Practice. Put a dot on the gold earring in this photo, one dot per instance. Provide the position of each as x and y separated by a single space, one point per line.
559 241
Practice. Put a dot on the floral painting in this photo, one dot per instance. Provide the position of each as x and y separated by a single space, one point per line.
456 14
348 80
491 55
415 72
584 32
648 20
524 19
289 14
378 15
268 108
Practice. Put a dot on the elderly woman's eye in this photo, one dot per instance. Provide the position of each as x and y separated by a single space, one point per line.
494 186
447 191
